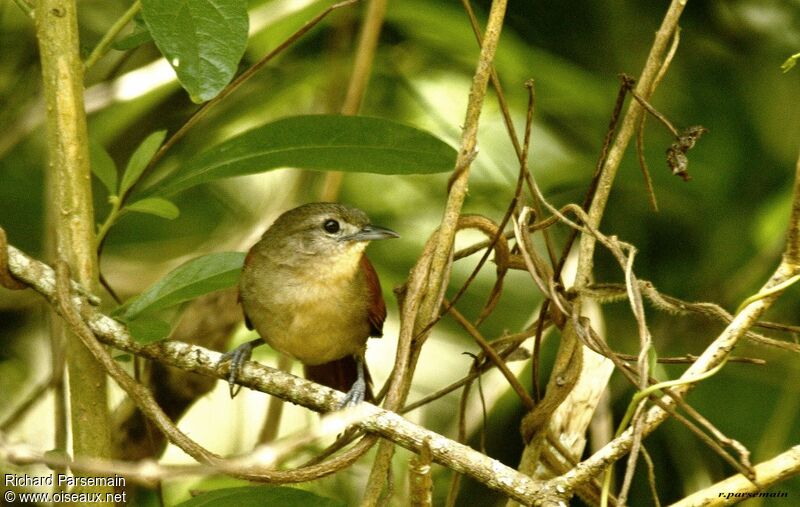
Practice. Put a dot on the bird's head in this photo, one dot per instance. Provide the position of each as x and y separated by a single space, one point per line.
325 229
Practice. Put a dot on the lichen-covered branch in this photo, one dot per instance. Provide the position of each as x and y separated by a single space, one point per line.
196 359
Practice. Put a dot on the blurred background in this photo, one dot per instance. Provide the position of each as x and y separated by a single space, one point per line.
715 238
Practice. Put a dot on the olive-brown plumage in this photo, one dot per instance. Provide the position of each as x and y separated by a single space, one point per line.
310 292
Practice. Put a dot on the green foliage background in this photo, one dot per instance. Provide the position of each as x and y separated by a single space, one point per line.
715 238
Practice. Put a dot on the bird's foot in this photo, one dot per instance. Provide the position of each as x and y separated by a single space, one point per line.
358 391
237 358
355 395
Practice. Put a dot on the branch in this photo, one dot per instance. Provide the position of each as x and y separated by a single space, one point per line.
70 209
357 85
138 393
428 279
149 473
590 367
108 39
26 7
713 357
443 249
735 488
389 425
644 87
792 253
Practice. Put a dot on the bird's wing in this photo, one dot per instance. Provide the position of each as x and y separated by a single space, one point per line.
376 312
247 260
246 318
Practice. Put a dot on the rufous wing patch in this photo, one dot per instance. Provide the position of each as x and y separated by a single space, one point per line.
376 312
248 259
246 318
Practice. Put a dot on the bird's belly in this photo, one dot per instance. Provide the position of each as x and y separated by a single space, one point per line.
314 328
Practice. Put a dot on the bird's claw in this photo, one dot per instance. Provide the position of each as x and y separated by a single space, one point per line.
358 391
237 358
355 395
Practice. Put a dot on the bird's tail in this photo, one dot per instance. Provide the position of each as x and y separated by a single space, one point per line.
339 375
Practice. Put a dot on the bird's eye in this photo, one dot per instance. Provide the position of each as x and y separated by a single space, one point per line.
331 226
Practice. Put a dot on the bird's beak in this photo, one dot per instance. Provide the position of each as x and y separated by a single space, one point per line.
371 232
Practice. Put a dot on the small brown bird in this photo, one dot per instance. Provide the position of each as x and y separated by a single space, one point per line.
310 292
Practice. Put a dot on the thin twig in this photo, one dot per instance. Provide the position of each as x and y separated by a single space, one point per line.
512 342
490 352
30 400
605 293
236 83
26 7
357 84
138 392
651 477
151 473
520 150
108 38
432 270
648 182
656 113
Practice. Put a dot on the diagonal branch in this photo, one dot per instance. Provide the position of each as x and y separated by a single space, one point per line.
429 276
735 488
196 359
568 353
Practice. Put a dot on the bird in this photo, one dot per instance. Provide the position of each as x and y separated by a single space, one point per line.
310 292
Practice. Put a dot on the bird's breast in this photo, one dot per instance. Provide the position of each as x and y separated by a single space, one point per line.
313 315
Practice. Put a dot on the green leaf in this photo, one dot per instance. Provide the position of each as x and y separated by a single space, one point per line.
189 280
155 206
138 161
103 166
123 358
318 142
256 496
147 330
203 40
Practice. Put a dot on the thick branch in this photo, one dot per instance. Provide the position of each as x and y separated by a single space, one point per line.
196 359
69 182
